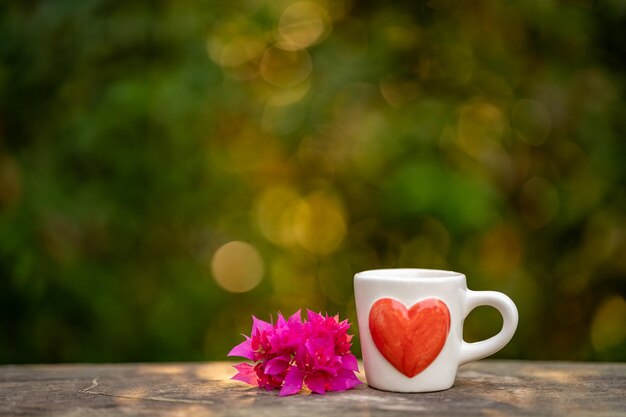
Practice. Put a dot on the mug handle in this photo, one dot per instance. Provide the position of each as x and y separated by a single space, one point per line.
474 351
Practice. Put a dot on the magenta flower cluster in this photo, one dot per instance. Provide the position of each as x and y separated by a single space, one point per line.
292 353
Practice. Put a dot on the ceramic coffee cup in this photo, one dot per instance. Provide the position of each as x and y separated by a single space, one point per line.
411 327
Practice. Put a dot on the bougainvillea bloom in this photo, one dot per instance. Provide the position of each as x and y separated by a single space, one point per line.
292 353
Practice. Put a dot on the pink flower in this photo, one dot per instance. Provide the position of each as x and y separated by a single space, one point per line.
291 354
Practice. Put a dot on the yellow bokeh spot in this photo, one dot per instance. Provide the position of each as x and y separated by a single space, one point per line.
480 124
240 50
401 37
287 96
319 223
608 328
237 266
302 24
315 222
285 68
275 215
240 58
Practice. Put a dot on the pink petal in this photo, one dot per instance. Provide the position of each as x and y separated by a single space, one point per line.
320 344
320 349
295 317
349 362
316 383
312 316
243 349
260 325
277 365
348 379
301 355
343 381
245 374
353 382
293 382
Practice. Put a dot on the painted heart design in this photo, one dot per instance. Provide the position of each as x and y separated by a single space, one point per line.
410 339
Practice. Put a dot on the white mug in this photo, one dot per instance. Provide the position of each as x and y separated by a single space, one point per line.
411 327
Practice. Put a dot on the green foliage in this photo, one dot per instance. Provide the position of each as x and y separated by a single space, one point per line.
138 138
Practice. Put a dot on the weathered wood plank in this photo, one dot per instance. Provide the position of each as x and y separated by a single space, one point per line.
486 388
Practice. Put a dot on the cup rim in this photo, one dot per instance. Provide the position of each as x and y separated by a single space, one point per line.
409 274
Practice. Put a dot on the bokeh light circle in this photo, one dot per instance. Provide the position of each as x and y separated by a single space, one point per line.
319 223
275 213
285 68
607 328
237 266
302 24
480 124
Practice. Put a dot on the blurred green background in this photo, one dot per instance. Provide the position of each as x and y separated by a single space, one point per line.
168 168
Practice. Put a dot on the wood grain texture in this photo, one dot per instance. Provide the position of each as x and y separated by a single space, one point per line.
486 388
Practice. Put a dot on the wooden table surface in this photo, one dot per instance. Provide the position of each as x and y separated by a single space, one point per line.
485 388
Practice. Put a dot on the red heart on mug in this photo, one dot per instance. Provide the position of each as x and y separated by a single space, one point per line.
410 339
